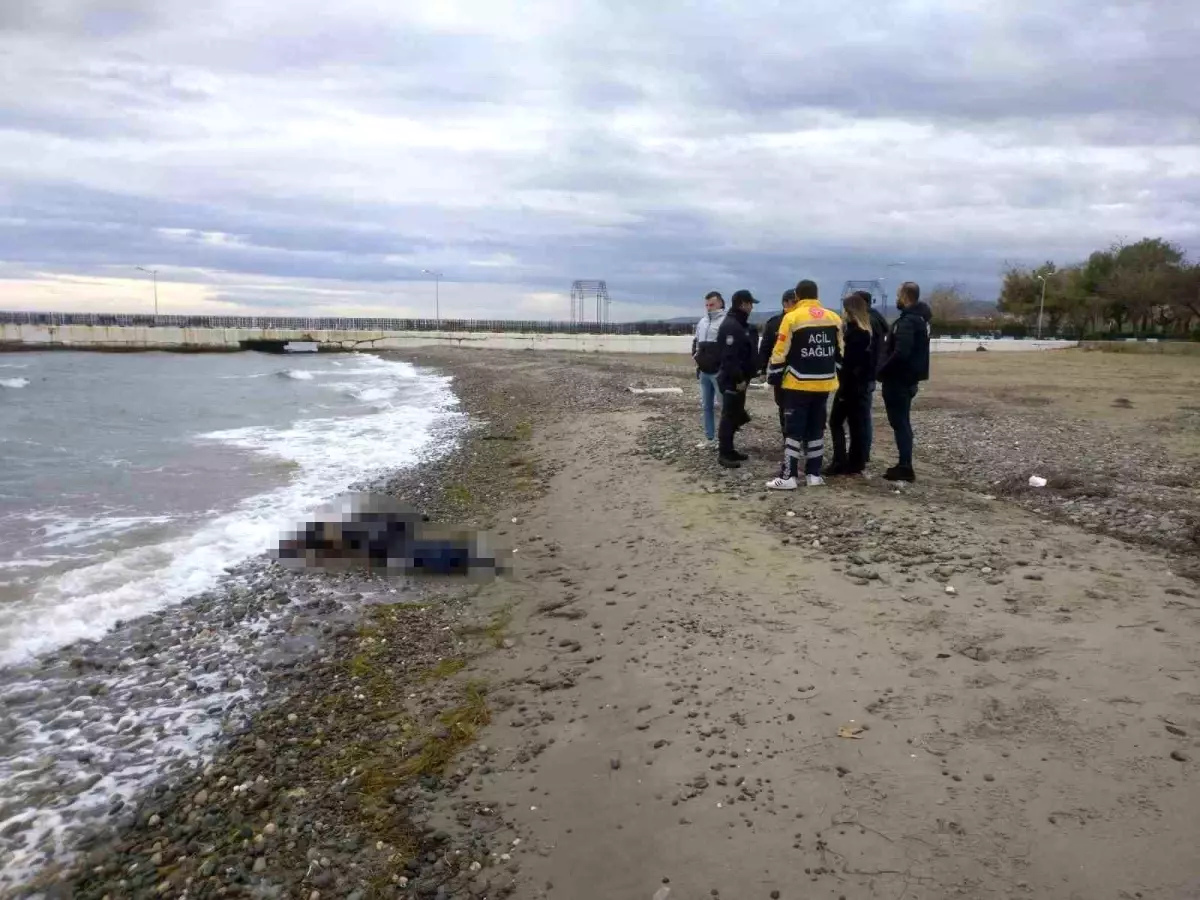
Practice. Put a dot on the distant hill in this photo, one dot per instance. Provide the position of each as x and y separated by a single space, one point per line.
980 309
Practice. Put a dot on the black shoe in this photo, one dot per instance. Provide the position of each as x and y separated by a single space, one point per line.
729 462
739 456
900 473
836 468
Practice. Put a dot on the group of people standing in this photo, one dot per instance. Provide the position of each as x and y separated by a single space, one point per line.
807 353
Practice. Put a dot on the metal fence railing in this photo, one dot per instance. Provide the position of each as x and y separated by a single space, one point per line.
325 323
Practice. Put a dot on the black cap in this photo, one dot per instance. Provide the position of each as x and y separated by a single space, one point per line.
789 296
742 296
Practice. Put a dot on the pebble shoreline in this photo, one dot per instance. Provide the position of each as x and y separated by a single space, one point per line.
214 767
91 730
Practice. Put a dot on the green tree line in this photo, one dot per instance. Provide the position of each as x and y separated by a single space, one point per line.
1145 288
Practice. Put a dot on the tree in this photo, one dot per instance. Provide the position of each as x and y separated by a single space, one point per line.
948 303
1185 296
1075 303
1020 292
1140 280
1148 285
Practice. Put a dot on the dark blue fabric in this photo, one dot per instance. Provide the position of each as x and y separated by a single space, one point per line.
897 400
733 417
804 423
436 558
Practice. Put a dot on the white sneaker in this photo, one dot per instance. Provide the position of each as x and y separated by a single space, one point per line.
782 484
814 480
707 445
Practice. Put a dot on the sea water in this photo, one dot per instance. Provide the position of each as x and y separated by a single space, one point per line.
131 481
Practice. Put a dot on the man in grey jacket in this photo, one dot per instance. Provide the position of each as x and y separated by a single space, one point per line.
706 353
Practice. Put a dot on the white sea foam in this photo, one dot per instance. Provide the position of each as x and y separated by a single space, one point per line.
298 374
372 393
14 382
342 373
375 394
330 454
63 531
36 562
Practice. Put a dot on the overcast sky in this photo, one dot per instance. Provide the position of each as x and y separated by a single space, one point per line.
302 156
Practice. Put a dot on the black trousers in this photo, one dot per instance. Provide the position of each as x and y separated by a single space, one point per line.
804 431
851 407
733 417
897 400
779 406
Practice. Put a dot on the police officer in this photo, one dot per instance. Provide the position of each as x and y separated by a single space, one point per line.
808 352
766 345
738 366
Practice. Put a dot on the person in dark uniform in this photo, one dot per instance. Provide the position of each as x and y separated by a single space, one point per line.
738 366
766 345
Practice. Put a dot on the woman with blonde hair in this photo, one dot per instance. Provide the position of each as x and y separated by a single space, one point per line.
852 403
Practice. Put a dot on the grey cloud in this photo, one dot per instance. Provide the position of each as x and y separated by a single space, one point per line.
628 154
90 18
1013 60
667 258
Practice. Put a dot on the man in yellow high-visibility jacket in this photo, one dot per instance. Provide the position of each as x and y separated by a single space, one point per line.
808 353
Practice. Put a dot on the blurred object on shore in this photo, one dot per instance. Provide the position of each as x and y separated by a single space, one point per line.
383 534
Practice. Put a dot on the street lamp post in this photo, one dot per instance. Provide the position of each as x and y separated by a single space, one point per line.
882 281
1041 305
437 300
154 273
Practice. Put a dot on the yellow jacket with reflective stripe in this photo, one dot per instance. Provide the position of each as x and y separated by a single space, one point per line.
808 348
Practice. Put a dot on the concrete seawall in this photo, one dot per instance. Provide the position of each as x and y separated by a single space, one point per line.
138 337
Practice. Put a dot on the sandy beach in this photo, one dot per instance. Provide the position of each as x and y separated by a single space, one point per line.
694 688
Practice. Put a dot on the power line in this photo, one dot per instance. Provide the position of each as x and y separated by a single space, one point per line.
586 293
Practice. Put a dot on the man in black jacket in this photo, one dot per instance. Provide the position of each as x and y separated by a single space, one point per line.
738 366
905 365
766 345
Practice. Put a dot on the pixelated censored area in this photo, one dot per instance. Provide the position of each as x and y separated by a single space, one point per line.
387 537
